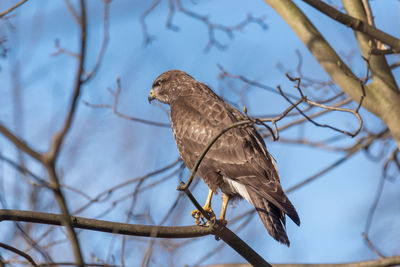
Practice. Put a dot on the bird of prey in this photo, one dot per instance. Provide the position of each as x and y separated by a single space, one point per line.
238 163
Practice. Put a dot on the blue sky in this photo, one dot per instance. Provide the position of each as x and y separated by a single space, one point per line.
102 150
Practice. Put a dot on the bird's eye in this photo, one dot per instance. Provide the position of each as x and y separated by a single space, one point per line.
157 83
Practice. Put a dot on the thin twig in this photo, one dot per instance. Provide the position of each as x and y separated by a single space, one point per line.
212 27
147 37
371 246
2 14
104 43
313 103
19 252
363 143
25 170
20 144
107 193
114 108
250 82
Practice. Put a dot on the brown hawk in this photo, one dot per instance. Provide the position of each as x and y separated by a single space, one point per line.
238 163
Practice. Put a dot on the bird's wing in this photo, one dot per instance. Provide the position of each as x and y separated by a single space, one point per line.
239 154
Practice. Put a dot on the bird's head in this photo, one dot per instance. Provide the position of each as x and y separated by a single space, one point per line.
170 85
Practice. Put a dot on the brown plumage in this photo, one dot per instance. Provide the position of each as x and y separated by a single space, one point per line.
238 163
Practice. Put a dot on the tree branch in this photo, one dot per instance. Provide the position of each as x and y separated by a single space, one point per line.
58 138
19 252
107 226
2 14
50 158
384 262
355 24
380 71
362 143
383 103
20 144
114 107
216 229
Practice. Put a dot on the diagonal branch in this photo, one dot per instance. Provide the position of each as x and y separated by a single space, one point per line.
19 252
362 143
380 71
2 14
355 24
20 144
229 237
384 262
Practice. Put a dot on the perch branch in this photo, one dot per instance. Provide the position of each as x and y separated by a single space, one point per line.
140 230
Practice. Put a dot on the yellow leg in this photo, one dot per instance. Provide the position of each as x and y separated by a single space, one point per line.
207 207
225 200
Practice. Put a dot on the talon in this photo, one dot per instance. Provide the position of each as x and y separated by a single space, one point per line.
196 214
210 212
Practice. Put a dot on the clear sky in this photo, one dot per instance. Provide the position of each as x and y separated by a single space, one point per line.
103 149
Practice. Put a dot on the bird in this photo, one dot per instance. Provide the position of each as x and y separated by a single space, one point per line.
238 163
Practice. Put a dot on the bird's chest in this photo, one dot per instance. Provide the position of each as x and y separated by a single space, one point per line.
182 129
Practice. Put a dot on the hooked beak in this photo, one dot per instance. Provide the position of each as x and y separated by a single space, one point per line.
151 96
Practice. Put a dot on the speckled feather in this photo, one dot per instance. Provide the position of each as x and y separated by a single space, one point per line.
197 115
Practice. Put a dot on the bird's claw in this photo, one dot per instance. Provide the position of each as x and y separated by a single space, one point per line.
200 219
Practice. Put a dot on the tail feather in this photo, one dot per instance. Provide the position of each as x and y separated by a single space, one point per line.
272 218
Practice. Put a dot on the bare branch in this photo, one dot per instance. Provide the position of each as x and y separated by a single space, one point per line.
227 235
355 24
147 37
25 170
19 252
140 230
106 226
104 43
62 263
212 27
114 108
354 112
107 193
58 138
304 99
2 14
363 143
171 13
371 246
250 82
20 144
50 158
73 12
384 262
